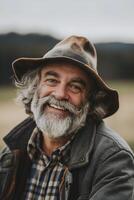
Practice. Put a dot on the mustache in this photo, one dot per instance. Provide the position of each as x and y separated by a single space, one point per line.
44 101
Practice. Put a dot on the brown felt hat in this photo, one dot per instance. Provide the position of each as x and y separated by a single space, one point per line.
81 52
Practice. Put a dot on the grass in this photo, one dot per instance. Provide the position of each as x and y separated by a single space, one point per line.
7 93
132 145
123 86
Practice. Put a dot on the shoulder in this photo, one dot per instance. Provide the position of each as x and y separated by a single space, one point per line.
112 165
108 142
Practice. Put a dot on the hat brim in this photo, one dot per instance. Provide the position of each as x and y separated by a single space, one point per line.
22 65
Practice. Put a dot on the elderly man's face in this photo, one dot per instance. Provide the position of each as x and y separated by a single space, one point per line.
62 95
65 82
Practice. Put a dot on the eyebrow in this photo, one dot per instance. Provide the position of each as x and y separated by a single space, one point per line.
52 73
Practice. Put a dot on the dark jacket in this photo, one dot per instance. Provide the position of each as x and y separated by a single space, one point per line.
101 165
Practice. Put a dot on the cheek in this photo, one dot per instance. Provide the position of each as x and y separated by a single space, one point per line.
44 91
78 99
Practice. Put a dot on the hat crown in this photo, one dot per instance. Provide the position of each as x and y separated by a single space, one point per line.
76 48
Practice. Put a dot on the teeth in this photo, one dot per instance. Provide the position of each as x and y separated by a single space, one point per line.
57 107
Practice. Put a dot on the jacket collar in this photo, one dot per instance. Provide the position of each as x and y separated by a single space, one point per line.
82 145
80 150
18 137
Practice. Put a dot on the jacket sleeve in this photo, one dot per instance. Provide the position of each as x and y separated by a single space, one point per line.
114 177
6 160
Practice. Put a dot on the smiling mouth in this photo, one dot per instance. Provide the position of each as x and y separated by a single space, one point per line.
57 110
57 107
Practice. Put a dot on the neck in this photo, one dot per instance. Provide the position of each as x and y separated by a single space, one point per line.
51 144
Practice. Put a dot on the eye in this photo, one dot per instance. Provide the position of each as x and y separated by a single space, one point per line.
76 88
51 82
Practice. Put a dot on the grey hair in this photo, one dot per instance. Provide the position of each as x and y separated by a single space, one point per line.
28 87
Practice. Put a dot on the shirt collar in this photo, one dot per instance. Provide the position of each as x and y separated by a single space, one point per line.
35 151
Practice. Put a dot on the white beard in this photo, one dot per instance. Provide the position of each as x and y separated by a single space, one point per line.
54 126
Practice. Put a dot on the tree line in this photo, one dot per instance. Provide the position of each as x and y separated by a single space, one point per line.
115 60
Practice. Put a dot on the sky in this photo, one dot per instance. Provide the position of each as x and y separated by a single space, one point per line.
100 20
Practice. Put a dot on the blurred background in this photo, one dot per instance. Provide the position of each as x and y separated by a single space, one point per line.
29 28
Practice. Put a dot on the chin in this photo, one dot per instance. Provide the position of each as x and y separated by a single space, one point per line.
55 127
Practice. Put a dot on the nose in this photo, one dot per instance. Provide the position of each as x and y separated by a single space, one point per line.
61 93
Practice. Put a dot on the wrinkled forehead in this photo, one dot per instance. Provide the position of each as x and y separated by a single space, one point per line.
67 69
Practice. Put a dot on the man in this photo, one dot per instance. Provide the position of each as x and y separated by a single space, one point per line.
64 150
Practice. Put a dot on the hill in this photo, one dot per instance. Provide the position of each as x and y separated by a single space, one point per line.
115 60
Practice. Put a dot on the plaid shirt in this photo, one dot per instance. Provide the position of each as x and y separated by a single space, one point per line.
47 174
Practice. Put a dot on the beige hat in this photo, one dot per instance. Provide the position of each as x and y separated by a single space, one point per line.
80 51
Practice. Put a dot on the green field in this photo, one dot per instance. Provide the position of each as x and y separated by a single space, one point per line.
122 121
